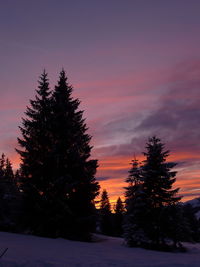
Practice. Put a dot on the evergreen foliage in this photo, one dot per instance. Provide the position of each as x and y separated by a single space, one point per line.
119 210
58 180
158 180
149 197
135 224
36 174
105 206
105 214
119 207
75 186
174 225
9 197
157 175
57 186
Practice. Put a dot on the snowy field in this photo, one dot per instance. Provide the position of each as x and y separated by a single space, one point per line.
24 250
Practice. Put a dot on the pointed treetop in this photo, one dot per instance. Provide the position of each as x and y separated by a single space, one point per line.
155 147
63 75
104 202
44 72
63 86
134 173
43 86
43 77
119 208
8 169
154 139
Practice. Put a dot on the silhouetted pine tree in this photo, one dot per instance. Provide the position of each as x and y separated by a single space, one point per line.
3 216
105 214
118 217
9 195
119 207
151 194
36 173
74 187
158 181
136 218
2 165
57 175
157 175
8 170
134 180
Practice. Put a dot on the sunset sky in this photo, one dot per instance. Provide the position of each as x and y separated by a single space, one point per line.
134 64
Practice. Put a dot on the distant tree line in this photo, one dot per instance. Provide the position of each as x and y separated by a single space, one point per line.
53 192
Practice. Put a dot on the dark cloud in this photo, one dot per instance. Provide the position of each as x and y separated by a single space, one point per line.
103 178
191 195
177 119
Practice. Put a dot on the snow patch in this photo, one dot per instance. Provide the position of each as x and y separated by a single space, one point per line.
31 251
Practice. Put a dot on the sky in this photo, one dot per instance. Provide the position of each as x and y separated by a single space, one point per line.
134 64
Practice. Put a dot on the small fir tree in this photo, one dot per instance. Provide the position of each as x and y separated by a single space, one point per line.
105 214
158 181
134 180
135 224
8 172
9 197
118 217
105 206
2 165
119 207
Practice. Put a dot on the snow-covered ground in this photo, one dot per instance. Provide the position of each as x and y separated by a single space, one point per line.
24 250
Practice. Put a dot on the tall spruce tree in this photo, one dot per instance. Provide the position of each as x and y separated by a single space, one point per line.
75 187
36 163
158 181
58 176
147 200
